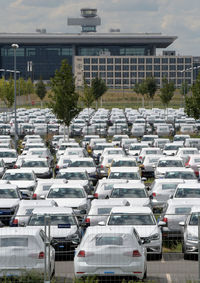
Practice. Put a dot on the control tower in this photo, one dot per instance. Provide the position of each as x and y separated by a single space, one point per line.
88 22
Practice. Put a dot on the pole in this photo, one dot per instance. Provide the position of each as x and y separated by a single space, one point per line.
15 105
199 244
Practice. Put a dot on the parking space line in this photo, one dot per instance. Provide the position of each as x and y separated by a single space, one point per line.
169 279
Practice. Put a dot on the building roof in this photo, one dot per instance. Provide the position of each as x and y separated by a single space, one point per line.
157 39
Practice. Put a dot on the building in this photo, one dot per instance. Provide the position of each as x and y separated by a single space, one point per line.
120 59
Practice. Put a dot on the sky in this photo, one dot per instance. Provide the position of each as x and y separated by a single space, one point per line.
169 17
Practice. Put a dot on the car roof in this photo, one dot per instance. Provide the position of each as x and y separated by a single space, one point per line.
195 209
188 186
67 185
130 209
52 210
8 186
171 158
129 186
19 231
33 203
108 202
18 170
163 181
109 229
124 169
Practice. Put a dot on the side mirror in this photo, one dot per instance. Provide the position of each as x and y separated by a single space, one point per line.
182 223
76 242
161 223
90 197
101 223
171 196
22 224
42 197
144 179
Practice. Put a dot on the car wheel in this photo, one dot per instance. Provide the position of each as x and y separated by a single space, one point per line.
186 256
145 275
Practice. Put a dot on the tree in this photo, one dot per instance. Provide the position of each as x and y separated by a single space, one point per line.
98 88
63 98
151 87
136 89
166 92
41 90
87 98
8 93
184 90
192 103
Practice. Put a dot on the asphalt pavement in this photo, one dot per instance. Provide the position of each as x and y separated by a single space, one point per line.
172 268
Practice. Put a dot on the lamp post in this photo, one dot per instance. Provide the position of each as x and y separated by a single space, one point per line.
15 46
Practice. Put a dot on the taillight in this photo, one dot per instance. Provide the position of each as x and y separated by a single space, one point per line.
15 166
154 194
87 220
140 157
101 166
165 219
136 253
57 166
96 195
41 255
81 254
15 221
34 196
47 157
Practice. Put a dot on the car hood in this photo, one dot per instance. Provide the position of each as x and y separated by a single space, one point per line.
8 203
39 170
193 230
58 232
70 202
147 230
22 184
9 160
136 201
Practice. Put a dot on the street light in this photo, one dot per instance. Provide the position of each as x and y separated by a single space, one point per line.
15 46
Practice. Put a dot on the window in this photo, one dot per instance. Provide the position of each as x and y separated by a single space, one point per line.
141 68
117 60
125 67
14 242
117 67
109 240
157 67
148 67
133 67
110 74
140 60
149 74
109 60
188 61
86 67
172 74
118 82
141 74
148 60
86 74
180 60
156 60
94 74
86 60
133 60
125 60
94 61
172 60
118 74
164 67
94 68
133 74
110 82
102 67
102 60
172 67
110 67
164 60
102 74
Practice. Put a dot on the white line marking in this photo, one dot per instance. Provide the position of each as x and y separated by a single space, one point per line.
169 279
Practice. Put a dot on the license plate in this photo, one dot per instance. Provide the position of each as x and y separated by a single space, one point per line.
109 272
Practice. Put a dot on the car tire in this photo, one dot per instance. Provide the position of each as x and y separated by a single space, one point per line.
145 275
185 256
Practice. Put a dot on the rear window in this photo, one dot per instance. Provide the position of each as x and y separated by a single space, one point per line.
169 186
182 210
14 242
104 210
109 240
46 187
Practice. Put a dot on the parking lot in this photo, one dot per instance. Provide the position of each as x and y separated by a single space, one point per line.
119 196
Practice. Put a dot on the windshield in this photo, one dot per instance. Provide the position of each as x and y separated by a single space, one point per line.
131 219
8 154
34 164
180 175
72 176
129 193
18 176
66 193
194 219
124 175
170 163
187 193
81 164
39 220
8 193
124 163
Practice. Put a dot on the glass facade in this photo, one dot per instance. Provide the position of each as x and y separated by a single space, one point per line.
35 61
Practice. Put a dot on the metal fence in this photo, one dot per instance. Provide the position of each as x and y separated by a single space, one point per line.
15 263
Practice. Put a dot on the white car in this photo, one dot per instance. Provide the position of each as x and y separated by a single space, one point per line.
110 251
70 195
25 179
9 157
22 251
144 222
167 162
134 193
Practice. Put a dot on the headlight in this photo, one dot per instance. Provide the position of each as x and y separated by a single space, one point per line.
154 237
192 237
82 207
